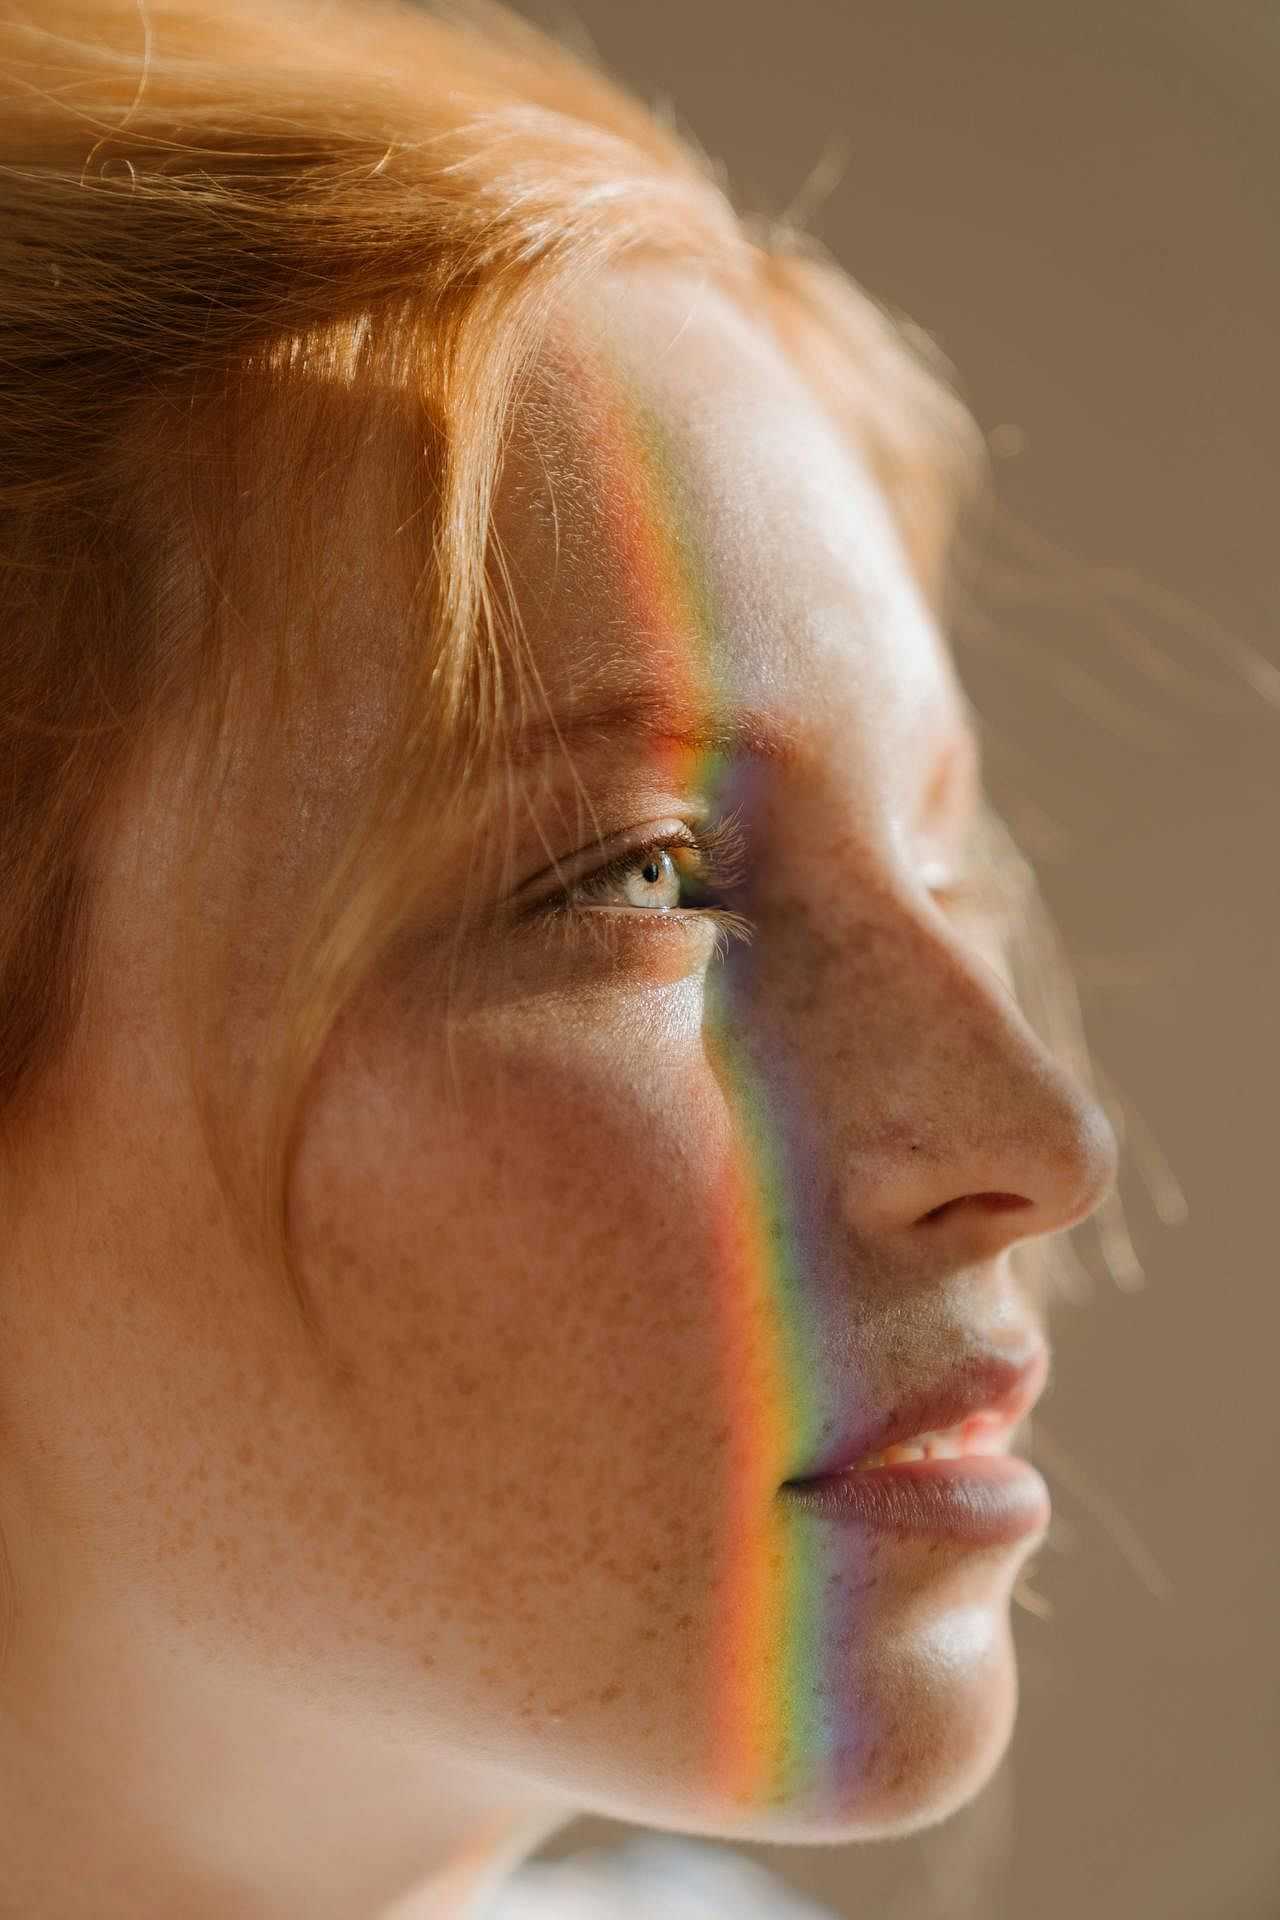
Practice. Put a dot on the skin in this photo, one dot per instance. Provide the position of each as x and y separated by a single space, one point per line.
347 1640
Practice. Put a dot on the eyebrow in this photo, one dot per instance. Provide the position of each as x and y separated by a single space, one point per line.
658 721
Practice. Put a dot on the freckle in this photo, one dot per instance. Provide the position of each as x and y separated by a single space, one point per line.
608 1695
246 1453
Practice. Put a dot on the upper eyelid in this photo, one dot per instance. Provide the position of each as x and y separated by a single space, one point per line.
723 842
622 863
578 867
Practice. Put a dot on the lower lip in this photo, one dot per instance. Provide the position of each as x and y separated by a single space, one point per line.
978 1500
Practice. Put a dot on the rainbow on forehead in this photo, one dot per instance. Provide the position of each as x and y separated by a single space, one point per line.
774 1708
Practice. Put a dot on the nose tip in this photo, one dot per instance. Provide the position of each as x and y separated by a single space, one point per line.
1065 1164
1076 1164
1098 1151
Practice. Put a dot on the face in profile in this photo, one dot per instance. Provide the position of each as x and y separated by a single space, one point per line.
679 1162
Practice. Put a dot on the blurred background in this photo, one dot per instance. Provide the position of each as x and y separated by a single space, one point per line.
1079 202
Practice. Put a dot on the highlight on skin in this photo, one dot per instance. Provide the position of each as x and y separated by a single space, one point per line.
330 362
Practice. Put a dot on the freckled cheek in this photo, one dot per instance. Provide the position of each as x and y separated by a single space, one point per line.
531 1266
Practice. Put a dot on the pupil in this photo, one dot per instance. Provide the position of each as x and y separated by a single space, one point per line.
652 872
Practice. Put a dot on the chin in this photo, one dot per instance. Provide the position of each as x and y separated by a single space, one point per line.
895 1738
926 1720
919 1774
887 1723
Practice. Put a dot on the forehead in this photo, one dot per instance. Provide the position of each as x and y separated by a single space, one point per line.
678 517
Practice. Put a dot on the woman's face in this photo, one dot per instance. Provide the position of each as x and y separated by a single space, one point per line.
636 1221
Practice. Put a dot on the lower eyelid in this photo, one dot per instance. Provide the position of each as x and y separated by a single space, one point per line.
663 916
628 936
718 927
610 929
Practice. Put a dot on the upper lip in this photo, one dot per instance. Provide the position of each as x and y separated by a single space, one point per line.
998 1386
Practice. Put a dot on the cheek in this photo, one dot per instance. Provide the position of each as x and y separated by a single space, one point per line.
527 1220
514 1254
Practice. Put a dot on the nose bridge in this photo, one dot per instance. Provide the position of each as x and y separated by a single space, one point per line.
932 1094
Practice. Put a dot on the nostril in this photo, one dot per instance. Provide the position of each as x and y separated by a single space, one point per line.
1002 1202
992 1202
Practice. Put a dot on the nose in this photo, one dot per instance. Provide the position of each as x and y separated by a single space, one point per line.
1041 1174
948 1122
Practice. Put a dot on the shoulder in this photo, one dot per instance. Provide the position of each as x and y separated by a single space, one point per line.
691 1881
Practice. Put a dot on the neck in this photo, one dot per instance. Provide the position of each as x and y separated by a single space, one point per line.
463 1889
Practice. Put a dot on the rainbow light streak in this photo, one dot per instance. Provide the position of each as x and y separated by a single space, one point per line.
775 1698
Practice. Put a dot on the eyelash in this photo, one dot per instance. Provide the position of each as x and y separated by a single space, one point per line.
720 850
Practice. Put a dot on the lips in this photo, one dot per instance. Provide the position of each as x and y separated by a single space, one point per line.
971 1411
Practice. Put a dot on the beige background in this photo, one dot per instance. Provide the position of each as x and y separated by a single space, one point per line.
1080 202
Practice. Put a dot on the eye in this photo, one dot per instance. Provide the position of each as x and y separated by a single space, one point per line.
680 873
658 878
